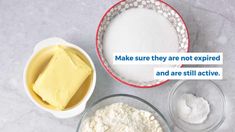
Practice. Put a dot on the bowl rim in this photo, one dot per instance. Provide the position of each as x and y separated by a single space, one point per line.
122 95
113 74
210 128
75 110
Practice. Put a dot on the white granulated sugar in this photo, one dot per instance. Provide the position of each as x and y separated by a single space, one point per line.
192 109
138 30
120 117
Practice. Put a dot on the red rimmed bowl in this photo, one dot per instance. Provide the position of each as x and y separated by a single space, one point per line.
167 14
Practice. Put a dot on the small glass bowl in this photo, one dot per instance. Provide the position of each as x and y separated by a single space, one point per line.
127 99
209 91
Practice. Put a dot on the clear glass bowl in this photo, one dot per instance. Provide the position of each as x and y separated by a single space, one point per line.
130 100
209 91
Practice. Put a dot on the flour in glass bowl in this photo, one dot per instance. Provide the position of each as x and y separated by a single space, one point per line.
120 117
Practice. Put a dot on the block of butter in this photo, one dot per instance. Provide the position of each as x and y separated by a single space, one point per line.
62 77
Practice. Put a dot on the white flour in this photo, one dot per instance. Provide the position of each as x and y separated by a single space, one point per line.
193 109
120 117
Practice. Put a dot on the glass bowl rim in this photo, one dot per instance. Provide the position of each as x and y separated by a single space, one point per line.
210 128
122 95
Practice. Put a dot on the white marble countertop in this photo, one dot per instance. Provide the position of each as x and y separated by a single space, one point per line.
23 23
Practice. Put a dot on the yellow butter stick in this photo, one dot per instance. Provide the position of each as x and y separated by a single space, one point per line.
62 77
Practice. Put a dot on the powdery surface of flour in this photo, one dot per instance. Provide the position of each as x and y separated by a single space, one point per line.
120 117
